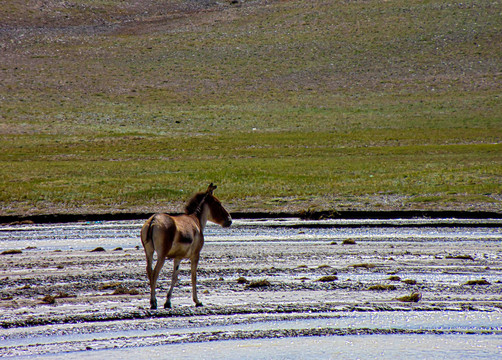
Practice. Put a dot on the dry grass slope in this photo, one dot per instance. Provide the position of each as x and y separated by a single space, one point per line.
127 106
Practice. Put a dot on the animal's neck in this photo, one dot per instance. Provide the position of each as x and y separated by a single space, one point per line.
202 216
201 212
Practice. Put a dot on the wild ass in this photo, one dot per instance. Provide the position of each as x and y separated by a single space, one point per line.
180 237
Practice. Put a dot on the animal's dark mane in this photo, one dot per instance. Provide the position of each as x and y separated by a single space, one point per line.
194 203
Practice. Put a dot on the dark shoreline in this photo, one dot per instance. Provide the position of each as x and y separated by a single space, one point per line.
412 214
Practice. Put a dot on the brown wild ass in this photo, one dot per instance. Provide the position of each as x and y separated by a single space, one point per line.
180 237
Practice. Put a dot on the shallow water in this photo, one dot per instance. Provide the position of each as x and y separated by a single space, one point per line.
476 322
484 339
455 347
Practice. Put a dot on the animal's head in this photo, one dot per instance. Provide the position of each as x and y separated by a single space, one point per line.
211 188
217 212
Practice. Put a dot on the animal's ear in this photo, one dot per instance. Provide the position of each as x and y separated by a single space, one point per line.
211 188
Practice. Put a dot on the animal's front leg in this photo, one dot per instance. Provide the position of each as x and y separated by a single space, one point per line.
174 279
194 263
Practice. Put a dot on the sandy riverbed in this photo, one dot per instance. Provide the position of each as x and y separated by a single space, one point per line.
59 297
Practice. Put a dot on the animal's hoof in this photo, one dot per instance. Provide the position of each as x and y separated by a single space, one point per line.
167 305
199 304
153 305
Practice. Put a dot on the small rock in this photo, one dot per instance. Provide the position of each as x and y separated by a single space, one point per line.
414 297
11 252
394 278
381 287
121 290
478 282
365 265
410 281
64 295
49 299
258 284
460 257
242 280
328 278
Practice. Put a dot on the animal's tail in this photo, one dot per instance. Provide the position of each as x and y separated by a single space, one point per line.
146 232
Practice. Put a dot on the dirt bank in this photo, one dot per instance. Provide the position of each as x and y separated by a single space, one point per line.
311 215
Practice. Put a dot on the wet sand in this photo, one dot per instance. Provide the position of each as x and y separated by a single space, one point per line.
59 297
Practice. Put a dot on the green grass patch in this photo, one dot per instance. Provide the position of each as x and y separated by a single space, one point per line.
158 171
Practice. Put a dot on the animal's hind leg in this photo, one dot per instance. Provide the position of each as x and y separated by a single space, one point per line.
149 273
154 275
174 279
149 250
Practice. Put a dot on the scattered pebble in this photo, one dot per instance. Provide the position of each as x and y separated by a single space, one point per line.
49 299
460 257
409 281
11 252
382 287
122 290
414 297
98 249
394 278
64 295
113 285
328 278
365 265
258 284
478 282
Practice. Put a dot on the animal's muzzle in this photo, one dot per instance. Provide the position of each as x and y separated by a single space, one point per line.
228 222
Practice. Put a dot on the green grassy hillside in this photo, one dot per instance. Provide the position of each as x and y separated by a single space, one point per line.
112 106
